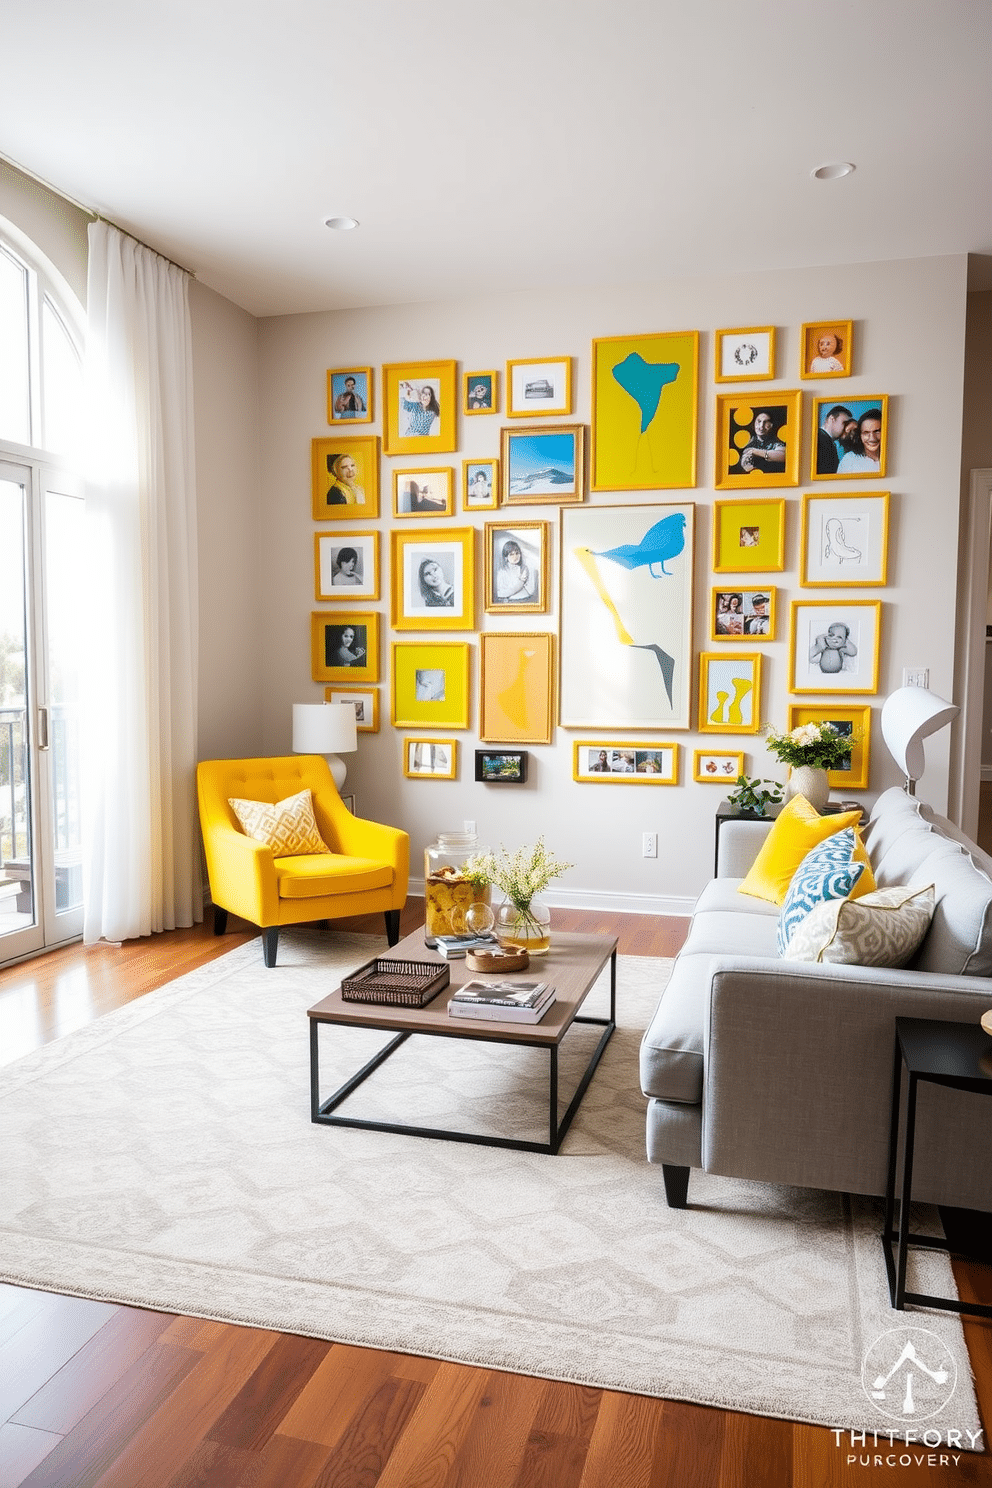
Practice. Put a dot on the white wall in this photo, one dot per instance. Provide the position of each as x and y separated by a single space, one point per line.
50 223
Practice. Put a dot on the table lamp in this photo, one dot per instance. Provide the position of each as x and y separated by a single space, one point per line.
909 715
329 729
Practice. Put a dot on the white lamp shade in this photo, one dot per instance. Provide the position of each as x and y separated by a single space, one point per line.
909 715
324 728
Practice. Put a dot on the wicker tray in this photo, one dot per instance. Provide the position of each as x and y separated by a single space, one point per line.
396 983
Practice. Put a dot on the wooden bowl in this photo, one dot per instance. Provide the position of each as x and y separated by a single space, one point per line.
497 961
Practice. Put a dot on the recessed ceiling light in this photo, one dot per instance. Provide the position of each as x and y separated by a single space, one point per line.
832 171
341 224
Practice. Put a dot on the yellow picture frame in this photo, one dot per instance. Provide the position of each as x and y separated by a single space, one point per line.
821 658
717 766
744 354
424 492
755 436
517 687
430 759
538 387
485 496
339 576
340 493
845 540
329 645
858 457
859 719
476 402
343 401
644 434
730 692
432 579
365 701
818 362
749 536
751 619
625 762
411 386
430 684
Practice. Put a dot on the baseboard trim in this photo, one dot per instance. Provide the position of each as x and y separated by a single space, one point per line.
601 899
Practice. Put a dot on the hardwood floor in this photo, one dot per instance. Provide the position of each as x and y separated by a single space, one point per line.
115 1397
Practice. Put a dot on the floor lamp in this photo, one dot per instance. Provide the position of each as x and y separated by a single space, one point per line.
329 729
910 715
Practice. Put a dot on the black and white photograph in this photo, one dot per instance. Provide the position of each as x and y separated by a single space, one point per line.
517 559
346 565
834 645
432 580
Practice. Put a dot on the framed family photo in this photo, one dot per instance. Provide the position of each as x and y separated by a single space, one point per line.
344 477
346 565
433 579
538 386
742 614
644 409
430 684
825 349
543 465
749 536
424 493
757 444
517 565
517 687
717 766
745 355
430 759
480 485
850 437
845 540
629 762
364 700
503 767
349 395
729 692
853 722
344 647
834 645
480 392
420 416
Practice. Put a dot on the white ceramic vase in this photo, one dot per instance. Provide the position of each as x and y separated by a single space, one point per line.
808 781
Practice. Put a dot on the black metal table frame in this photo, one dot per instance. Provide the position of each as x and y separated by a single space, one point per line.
320 1111
902 1237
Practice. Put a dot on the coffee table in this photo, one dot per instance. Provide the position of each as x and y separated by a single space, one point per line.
572 965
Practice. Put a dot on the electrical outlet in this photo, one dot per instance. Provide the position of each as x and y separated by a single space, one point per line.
468 826
649 845
916 676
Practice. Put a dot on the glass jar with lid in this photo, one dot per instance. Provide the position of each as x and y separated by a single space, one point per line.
450 886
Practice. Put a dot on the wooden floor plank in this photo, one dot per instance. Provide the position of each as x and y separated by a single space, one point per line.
364 1450
335 1393
21 1449
624 1442
559 1439
423 1455
690 1446
43 1345
263 1401
494 1445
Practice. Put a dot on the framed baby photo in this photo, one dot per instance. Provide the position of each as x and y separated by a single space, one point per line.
749 536
420 416
433 579
745 355
344 478
825 349
517 687
730 692
845 540
430 684
346 565
480 485
834 645
424 493
742 614
344 647
517 564
364 700
538 387
757 443
629 762
543 465
349 395
430 759
717 766
853 723
480 392
850 437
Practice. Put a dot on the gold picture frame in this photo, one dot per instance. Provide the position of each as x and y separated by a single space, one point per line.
740 614
854 719
346 565
344 478
410 392
625 762
336 658
430 684
717 766
519 585
424 492
826 349
480 485
480 392
861 451
758 439
365 701
433 579
538 387
517 687
542 466
730 692
834 645
745 354
430 759
350 395
644 411
749 536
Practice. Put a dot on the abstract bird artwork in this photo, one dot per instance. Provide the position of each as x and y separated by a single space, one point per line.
644 411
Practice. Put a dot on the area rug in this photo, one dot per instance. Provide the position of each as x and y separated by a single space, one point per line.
164 1156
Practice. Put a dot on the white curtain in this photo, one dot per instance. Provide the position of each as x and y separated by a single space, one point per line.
141 861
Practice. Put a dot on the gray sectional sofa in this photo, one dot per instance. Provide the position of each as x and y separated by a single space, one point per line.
777 1070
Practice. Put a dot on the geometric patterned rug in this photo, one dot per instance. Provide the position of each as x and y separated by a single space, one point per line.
164 1156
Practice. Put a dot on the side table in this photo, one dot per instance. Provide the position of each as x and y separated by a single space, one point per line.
959 1056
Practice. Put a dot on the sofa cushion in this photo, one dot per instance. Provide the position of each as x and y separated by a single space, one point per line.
960 936
881 929
722 933
288 826
892 814
671 1059
315 874
904 855
721 894
797 829
830 871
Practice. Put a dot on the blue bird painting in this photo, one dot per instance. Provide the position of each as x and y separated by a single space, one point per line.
644 382
659 545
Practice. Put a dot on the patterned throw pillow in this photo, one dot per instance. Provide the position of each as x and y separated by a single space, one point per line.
796 830
288 827
828 872
881 929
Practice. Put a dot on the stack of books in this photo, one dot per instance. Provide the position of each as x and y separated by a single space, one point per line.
451 947
510 1002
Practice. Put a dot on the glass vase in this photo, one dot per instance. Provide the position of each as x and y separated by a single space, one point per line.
524 927
448 892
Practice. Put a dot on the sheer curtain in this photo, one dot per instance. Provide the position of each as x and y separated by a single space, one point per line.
141 860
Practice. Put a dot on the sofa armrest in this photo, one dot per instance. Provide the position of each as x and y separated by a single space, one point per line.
738 845
368 839
242 875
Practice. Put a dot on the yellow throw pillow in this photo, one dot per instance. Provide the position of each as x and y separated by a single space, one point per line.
288 827
798 828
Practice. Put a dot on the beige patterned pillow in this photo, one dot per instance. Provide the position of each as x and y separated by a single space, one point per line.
881 929
288 827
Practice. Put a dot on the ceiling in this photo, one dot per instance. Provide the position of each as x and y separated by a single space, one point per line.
515 144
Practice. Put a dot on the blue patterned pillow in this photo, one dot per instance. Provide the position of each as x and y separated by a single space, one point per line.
827 872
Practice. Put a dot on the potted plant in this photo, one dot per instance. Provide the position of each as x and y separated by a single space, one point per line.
750 798
810 751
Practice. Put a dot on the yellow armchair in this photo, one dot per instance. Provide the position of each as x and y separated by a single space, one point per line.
367 868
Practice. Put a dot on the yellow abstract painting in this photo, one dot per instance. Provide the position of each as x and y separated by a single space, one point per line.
644 409
517 688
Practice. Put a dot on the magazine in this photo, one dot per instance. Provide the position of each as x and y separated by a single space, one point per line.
503 993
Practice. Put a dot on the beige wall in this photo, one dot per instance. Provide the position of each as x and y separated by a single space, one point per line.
50 223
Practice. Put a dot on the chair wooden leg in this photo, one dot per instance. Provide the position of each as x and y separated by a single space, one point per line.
676 1185
392 925
270 941
220 920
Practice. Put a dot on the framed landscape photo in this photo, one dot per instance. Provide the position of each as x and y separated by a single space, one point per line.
644 410
344 478
757 444
507 767
834 645
344 647
826 349
626 616
517 687
729 692
845 540
543 465
717 766
480 392
851 721
430 684
430 759
346 565
364 700
538 387
480 485
517 564
419 412
742 614
749 536
433 579
349 395
850 437
424 493
625 762
745 355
